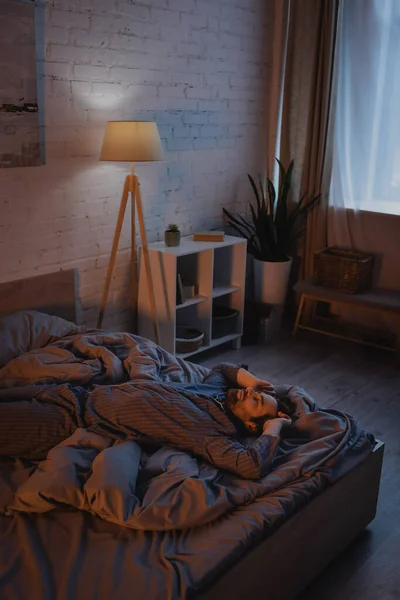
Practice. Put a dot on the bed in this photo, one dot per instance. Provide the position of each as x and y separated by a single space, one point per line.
66 553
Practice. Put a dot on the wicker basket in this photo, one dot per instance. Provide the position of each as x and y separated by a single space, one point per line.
188 339
346 270
224 321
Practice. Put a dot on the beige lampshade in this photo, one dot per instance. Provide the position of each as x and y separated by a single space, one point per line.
131 141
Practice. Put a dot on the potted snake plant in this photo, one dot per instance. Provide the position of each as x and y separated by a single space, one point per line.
271 232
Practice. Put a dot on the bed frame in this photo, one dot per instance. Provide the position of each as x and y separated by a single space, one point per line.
53 294
307 542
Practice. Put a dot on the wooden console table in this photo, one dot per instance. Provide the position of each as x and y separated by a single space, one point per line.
377 300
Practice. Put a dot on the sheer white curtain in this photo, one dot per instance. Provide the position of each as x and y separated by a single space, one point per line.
365 177
366 156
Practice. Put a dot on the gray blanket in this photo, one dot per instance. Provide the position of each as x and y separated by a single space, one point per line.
121 476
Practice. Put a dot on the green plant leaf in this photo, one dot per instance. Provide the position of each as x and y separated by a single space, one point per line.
233 219
255 190
309 206
286 184
246 224
239 230
301 210
263 196
298 235
254 215
233 222
282 177
240 222
295 216
281 212
271 197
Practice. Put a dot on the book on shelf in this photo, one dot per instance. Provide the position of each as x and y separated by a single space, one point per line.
190 290
209 236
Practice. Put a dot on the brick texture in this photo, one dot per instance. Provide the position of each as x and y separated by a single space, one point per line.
196 67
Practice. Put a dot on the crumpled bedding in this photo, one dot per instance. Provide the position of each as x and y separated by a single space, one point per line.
164 487
170 489
97 357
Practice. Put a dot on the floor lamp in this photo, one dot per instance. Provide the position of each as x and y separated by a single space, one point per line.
131 141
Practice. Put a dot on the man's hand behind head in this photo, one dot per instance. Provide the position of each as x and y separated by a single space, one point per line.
275 426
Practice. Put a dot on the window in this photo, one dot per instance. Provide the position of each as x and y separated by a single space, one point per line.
366 157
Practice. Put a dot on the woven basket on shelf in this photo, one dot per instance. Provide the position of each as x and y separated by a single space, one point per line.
346 270
188 339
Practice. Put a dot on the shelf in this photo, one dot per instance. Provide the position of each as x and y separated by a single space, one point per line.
214 342
191 302
223 290
223 339
188 246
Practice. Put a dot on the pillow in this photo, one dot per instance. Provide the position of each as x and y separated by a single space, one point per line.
27 330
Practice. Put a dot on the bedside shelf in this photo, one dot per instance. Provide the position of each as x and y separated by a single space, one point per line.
217 268
224 290
191 302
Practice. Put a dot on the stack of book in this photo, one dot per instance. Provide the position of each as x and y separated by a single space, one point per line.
209 236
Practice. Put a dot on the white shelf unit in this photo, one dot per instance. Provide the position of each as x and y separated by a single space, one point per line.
219 271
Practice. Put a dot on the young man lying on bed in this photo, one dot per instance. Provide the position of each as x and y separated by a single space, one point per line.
210 419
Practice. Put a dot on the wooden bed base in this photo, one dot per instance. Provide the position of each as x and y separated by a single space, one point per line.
282 565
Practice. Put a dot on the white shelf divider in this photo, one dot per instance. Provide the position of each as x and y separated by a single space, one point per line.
224 290
191 302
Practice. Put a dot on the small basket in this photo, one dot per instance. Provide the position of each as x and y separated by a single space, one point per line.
224 321
188 339
346 270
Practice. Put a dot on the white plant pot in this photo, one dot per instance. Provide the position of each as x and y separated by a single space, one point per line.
271 281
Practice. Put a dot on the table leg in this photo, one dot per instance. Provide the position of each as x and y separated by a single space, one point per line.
237 343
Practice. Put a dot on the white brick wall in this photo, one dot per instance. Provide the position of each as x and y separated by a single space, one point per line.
196 67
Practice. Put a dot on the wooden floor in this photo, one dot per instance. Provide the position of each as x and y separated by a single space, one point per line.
365 383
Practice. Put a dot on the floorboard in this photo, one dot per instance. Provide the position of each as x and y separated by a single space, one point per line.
365 383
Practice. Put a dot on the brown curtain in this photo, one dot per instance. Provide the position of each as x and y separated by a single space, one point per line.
308 92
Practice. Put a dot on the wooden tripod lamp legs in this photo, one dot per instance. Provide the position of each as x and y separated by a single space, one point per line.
131 185
146 260
111 262
134 296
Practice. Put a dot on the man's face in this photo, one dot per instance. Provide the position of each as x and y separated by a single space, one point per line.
251 407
